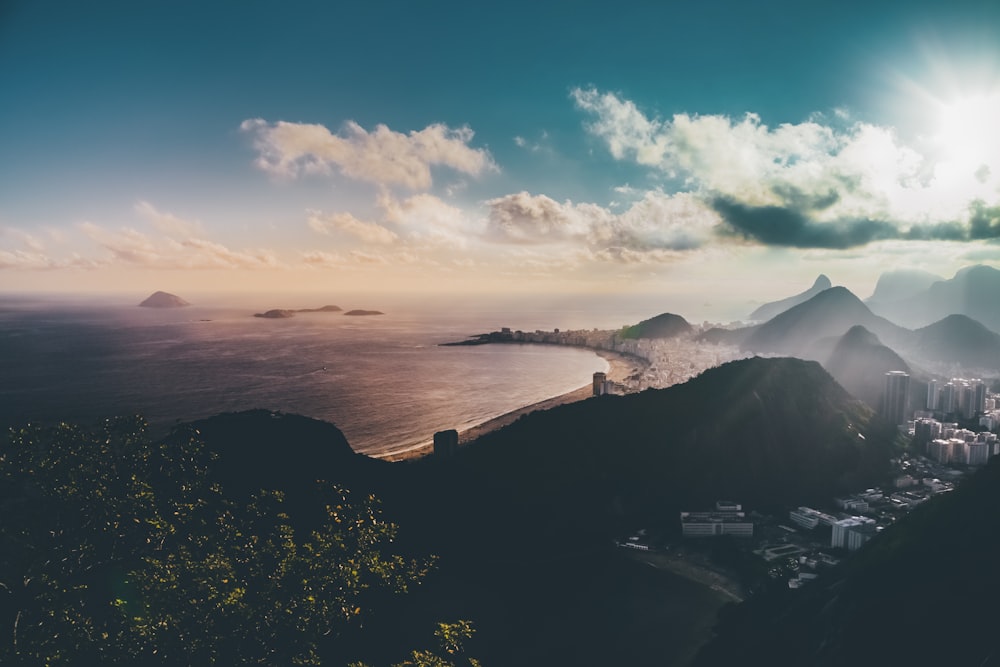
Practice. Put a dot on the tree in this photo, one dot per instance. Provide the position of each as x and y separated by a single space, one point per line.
115 549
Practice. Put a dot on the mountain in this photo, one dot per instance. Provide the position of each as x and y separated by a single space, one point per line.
764 430
929 577
666 325
974 291
902 284
830 313
961 340
859 363
364 312
769 310
163 300
528 513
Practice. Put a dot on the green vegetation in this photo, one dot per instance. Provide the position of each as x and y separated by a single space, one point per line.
666 325
125 550
116 549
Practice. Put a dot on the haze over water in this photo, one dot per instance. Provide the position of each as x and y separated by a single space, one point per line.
383 380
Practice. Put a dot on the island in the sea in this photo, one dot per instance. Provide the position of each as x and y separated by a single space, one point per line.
364 312
282 313
324 309
276 314
163 300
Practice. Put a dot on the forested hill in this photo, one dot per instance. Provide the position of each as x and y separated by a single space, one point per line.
921 593
521 522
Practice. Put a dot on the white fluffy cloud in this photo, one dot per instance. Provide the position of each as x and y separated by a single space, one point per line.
368 232
383 156
836 183
654 223
428 220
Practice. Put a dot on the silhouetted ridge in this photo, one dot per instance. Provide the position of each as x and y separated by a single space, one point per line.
769 310
930 577
859 363
830 313
261 449
973 291
960 340
901 284
666 325
769 431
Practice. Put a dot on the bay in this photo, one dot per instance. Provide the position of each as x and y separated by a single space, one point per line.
383 380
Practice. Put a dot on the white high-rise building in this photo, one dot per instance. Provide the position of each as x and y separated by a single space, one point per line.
896 397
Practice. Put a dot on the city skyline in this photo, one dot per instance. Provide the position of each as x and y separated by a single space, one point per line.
725 152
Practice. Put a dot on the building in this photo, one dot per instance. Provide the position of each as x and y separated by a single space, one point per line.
600 384
896 397
445 443
852 533
808 518
727 519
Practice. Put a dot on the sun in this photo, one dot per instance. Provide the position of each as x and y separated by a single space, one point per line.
969 130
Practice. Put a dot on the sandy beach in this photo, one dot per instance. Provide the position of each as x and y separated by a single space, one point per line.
620 367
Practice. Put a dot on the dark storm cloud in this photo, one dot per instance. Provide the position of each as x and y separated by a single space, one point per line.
793 226
984 221
782 226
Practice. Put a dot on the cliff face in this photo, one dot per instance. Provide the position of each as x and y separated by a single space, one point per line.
163 300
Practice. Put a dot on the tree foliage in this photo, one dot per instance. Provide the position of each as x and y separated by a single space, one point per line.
117 549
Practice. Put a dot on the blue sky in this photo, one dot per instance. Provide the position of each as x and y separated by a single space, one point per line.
405 146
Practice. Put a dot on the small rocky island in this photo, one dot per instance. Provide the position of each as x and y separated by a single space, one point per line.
283 313
324 309
276 314
163 300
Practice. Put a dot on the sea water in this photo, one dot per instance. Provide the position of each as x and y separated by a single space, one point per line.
384 380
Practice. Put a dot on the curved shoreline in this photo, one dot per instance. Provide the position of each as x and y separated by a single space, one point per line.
620 367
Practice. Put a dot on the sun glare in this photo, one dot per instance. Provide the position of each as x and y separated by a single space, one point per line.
969 129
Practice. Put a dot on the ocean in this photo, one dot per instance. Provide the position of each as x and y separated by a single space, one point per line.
383 380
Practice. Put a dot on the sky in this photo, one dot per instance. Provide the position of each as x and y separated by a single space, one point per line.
715 150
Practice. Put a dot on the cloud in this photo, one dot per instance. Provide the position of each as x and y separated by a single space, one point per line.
526 218
775 225
369 232
21 260
426 219
168 223
130 246
984 221
384 156
29 241
655 222
819 183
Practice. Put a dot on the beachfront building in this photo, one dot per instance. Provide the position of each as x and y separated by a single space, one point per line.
727 519
445 443
852 533
809 518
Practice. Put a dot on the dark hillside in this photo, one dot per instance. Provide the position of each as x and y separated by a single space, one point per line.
666 325
829 313
922 593
859 363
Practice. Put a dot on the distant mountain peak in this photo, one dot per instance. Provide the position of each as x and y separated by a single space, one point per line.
859 334
163 300
769 310
822 283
